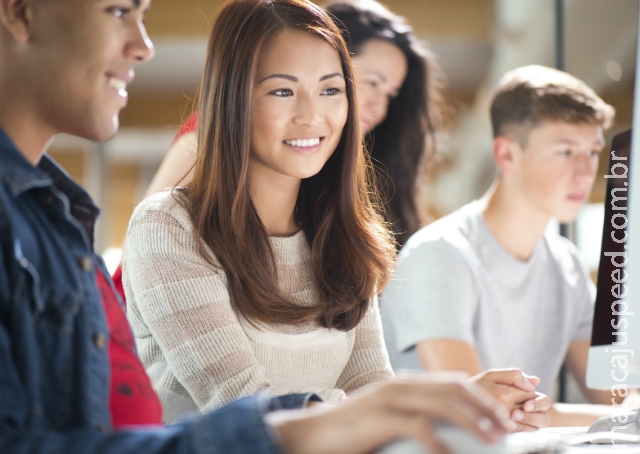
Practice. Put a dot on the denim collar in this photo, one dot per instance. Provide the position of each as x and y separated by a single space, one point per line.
20 176
16 171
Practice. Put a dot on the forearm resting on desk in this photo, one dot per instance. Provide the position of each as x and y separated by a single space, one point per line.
586 414
576 414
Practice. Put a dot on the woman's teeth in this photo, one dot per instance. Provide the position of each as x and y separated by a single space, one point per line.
119 85
303 143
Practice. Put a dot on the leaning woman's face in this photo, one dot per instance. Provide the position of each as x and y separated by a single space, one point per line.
380 69
298 105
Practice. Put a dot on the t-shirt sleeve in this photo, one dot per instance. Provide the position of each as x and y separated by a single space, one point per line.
586 297
432 295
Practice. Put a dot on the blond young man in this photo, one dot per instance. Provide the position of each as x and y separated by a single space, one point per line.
490 285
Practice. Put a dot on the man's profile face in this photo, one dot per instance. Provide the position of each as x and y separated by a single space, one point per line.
556 169
83 54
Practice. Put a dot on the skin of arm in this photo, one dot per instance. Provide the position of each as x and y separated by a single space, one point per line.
576 362
582 415
177 166
512 388
402 408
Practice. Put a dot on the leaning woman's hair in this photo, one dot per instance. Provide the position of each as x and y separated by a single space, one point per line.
404 142
352 250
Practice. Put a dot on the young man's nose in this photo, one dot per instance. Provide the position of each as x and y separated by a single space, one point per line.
140 47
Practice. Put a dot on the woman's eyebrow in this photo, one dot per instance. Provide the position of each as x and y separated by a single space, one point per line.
377 74
329 76
295 79
282 76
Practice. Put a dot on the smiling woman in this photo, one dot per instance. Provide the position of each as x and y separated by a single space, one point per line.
398 82
261 274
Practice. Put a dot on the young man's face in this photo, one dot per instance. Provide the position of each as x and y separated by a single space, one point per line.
83 54
556 169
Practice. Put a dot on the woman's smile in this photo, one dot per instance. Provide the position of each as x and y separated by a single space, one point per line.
309 145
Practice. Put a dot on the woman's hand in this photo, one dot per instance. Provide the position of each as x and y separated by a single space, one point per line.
516 391
405 407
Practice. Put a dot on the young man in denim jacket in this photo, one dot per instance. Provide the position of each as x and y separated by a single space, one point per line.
64 67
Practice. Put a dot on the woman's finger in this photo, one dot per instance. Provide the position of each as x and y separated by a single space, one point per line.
540 403
525 428
538 419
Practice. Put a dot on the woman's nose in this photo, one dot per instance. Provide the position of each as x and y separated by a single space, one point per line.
377 109
307 111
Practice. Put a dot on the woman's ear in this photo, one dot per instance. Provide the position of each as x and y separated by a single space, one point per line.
15 17
504 152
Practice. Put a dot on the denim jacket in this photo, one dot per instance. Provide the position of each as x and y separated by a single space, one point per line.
54 368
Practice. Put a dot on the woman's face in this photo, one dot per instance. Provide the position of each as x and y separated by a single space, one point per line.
380 69
298 106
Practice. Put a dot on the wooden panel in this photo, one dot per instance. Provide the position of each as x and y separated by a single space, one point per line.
622 101
122 198
459 19
73 161
156 110
181 17
462 19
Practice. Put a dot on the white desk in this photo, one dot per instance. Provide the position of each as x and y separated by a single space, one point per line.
568 434
542 442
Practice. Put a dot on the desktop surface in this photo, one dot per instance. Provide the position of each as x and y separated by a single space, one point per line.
545 441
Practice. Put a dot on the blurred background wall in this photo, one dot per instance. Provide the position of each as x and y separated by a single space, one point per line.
476 41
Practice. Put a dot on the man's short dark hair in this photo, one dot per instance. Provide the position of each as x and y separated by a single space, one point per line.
530 95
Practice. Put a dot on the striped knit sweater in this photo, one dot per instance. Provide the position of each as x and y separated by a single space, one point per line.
200 355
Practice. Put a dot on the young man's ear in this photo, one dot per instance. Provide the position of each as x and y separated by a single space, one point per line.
15 18
504 152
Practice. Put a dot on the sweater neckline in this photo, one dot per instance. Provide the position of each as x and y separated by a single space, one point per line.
282 239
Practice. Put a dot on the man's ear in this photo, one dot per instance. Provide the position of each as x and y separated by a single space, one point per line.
15 17
504 152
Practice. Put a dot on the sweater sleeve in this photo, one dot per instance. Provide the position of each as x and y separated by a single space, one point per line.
369 361
182 302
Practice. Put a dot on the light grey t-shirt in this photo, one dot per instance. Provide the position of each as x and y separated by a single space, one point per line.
455 281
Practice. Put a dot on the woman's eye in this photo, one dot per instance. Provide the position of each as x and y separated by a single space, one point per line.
119 12
372 83
332 91
283 92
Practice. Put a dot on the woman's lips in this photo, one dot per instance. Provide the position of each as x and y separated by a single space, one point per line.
308 145
577 197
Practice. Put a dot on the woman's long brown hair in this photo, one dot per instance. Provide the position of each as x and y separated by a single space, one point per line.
352 250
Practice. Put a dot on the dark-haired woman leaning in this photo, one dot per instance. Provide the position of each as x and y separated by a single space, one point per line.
399 102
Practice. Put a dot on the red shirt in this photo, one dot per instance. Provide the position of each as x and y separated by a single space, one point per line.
132 400
190 125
